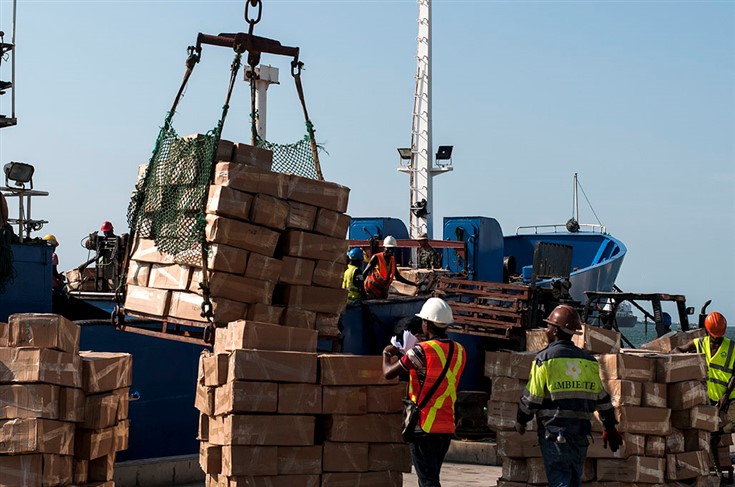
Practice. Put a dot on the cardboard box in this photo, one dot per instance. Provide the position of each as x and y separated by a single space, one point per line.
80 471
265 336
318 299
267 365
43 330
352 370
220 257
246 397
301 216
272 481
91 444
204 398
31 435
122 435
299 318
269 212
368 428
4 332
654 395
56 469
251 179
228 202
106 371
673 339
210 458
626 366
296 271
512 445
675 441
345 457
249 460
685 395
299 460
329 273
502 415
536 340
633 445
263 268
224 148
681 367
634 469
101 469
21 470
655 446
394 457
188 306
645 421
363 479
594 339
100 411
138 273
344 399
240 289
515 470
516 365
241 235
624 392
123 396
386 399
268 430
331 223
313 246
701 417
697 440
29 401
145 250
71 404
318 193
214 368
505 389
147 300
265 313
299 399
681 466
40 365
254 156
169 276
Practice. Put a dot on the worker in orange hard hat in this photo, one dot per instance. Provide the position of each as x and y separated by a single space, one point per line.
719 352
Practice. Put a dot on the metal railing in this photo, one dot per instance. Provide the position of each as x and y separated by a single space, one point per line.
589 227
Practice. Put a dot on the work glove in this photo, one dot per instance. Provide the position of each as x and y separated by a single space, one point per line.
612 438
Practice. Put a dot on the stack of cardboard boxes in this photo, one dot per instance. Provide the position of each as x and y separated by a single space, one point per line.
276 250
660 402
62 413
275 413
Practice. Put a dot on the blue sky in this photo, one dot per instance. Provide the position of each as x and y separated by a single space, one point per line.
636 97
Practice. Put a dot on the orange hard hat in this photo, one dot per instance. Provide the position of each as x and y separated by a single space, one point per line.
566 318
715 324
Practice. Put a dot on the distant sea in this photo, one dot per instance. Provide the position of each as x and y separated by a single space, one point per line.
638 336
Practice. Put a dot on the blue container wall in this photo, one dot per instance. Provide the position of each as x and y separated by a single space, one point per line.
484 239
589 249
30 291
363 228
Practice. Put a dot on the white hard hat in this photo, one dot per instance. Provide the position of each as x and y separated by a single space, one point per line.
390 242
437 311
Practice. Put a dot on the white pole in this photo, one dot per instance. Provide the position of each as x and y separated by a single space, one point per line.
265 76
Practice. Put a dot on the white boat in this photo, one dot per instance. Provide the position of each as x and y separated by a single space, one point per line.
624 317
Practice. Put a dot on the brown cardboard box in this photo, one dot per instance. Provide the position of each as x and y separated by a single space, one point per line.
634 469
210 458
241 235
681 466
254 156
329 273
701 417
265 313
29 401
675 441
249 460
214 368
327 320
100 411
502 415
299 318
267 365
91 444
369 428
269 212
147 300
386 399
220 257
224 148
71 404
4 333
169 276
30 435
318 193
624 392
263 268
512 445
42 330
352 370
299 460
265 336
646 421
633 445
697 440
123 406
505 389
188 306
21 470
313 298
345 457
204 398
515 365
331 223
106 371
122 435
203 427
246 397
145 250
395 457
228 202
654 395
251 179
685 395
681 367
101 469
626 366
362 479
56 469
299 399
80 471
673 339
515 470
297 271
594 339
276 430
536 339
40 365
301 216
344 399
313 246
272 481
240 289
138 273
655 446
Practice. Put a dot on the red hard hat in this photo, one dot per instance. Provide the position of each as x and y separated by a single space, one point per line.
106 227
566 318
715 324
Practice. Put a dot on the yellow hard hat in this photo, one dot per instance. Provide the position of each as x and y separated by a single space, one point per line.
52 239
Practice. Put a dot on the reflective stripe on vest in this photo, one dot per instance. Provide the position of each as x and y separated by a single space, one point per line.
348 282
719 366
379 279
437 416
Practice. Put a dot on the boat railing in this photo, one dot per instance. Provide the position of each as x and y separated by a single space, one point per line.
26 224
559 228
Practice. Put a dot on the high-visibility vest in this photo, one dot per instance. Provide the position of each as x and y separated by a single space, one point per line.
348 282
437 416
378 281
719 366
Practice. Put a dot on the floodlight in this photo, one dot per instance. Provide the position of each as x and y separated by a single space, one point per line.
19 172
405 154
444 153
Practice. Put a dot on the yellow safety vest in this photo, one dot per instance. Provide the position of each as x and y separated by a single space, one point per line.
348 282
719 366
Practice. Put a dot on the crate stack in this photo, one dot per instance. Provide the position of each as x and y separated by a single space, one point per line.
277 251
660 401
275 413
46 405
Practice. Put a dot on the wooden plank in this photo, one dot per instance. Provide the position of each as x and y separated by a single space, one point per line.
484 310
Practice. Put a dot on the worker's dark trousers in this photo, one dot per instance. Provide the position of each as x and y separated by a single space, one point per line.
564 462
428 452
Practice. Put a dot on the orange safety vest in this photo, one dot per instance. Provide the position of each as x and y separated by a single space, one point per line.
438 414
378 281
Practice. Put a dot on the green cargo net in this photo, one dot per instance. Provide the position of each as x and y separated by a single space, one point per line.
294 158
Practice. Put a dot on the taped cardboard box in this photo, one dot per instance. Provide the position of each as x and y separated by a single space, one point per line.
633 445
4 334
263 268
43 330
301 216
249 460
299 399
147 300
241 235
701 417
329 273
295 270
265 313
345 457
123 402
512 445
106 371
331 223
515 470
71 404
673 339
685 395
313 246
214 368
626 366
344 399
204 398
352 370
220 257
654 395
681 367
240 289
537 472
697 440
386 399
536 340
624 392
203 427
251 179
169 276
210 458
228 202
502 415
100 411
29 401
634 469
188 306
688 465
368 428
91 444
265 336
271 481
516 365
313 298
299 460
246 397
675 441
596 340
323 194
80 471
35 470
267 430
31 435
655 446
363 479
394 457
299 318
645 421
122 435
40 365
505 389
269 211
145 250
267 365
102 469
138 273
254 156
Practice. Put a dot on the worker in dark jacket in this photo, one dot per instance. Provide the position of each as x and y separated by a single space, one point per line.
563 391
